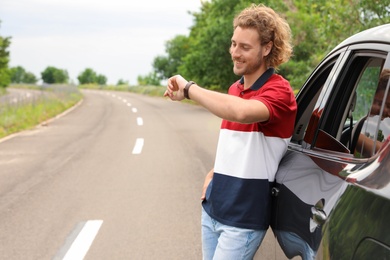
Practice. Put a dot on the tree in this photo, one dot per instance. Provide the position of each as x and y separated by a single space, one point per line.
149 80
122 82
176 49
89 76
30 78
52 75
101 79
20 75
317 27
17 74
5 78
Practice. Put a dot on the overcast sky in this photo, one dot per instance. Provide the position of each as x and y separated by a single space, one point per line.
116 38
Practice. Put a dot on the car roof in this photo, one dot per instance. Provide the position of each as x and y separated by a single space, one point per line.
379 34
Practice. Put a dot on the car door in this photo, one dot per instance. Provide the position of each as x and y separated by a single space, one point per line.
326 181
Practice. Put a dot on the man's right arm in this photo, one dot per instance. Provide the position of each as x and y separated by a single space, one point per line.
225 106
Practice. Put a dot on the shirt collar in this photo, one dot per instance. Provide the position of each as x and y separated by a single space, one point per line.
261 80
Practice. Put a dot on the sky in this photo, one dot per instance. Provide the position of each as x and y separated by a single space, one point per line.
116 38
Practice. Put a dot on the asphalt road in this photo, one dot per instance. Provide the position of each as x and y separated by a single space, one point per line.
117 177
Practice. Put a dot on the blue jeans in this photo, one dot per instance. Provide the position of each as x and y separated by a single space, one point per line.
293 245
222 242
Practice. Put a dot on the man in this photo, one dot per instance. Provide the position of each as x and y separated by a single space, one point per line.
258 118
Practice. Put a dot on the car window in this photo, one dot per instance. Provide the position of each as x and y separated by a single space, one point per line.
366 70
375 129
366 87
309 100
353 113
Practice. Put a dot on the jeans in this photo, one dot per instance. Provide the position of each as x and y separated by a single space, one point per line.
293 245
222 242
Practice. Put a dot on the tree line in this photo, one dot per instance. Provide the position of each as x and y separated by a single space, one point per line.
53 75
203 56
317 27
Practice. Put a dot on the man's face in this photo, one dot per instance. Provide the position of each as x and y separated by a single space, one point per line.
246 51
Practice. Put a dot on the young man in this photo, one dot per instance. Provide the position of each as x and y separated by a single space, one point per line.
258 118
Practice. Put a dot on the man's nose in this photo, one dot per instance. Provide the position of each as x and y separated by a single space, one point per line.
234 52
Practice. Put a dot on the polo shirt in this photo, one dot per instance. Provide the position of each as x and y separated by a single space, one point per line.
248 155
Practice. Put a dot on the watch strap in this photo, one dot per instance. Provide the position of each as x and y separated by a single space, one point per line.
186 88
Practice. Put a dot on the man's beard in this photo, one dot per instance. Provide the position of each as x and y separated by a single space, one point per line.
251 68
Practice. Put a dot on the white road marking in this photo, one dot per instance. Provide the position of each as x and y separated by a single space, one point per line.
139 143
83 241
140 121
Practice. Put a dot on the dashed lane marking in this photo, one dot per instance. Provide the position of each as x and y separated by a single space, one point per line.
79 242
139 143
140 121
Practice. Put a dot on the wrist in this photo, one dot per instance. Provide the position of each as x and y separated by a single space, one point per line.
187 88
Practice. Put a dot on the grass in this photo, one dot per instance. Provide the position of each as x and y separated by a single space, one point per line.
53 100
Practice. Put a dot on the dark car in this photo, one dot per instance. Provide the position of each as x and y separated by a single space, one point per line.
332 191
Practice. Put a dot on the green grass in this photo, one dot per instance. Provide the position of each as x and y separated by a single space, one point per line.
56 99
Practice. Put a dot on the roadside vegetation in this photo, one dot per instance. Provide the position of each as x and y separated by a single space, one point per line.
49 102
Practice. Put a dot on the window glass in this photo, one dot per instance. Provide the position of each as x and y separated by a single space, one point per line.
309 102
366 89
353 112
375 129
384 126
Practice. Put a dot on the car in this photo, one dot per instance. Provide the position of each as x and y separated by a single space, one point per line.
331 198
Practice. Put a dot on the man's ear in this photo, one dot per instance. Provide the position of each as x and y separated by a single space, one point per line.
268 48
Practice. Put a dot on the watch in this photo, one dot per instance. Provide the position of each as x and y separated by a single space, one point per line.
186 88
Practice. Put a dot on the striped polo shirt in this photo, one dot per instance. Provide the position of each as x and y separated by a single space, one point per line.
248 155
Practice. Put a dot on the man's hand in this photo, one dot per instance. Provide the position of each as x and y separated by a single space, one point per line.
175 88
206 183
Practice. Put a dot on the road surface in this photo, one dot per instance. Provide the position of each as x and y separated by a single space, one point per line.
118 177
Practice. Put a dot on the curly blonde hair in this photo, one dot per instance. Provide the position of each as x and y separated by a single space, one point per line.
271 27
